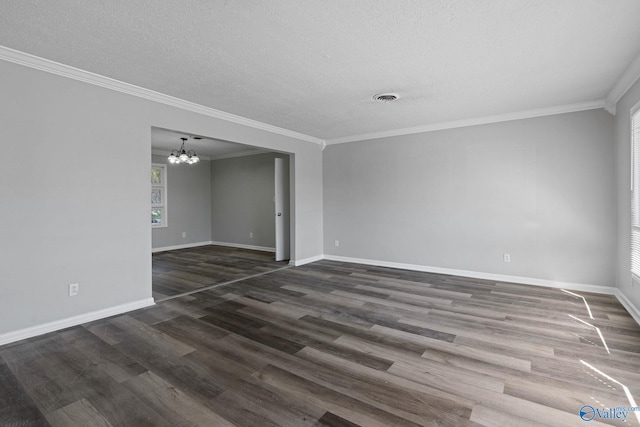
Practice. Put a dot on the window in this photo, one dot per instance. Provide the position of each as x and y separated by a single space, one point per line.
158 195
635 194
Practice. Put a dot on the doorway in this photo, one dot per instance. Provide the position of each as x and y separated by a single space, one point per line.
281 204
219 215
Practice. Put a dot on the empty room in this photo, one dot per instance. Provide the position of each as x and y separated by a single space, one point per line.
363 213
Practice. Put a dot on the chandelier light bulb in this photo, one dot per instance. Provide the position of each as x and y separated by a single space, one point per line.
183 156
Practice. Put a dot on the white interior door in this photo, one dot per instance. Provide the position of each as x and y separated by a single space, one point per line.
281 210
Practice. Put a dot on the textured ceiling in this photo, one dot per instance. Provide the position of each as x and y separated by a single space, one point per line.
313 66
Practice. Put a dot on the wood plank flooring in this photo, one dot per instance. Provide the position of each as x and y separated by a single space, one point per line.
185 270
334 344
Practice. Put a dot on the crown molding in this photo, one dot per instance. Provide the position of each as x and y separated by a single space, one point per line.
32 61
628 78
527 114
624 83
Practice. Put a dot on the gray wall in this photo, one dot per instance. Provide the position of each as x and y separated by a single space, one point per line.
188 204
78 209
540 189
623 160
242 192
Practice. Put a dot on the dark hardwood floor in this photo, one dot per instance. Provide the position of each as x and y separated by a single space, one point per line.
334 344
185 270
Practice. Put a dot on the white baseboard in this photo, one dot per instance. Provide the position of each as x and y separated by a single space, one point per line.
56 325
185 246
210 242
299 262
626 303
609 290
243 246
33 331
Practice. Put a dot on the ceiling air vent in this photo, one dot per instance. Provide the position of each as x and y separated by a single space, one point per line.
385 97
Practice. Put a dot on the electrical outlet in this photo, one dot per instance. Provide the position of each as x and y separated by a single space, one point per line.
184 234
337 243
74 288
507 257
251 235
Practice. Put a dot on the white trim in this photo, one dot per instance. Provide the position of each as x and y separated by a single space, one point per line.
624 83
56 325
184 246
299 262
210 242
243 246
609 290
539 112
32 61
21 58
626 303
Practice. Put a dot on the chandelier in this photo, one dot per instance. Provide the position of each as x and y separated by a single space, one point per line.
182 156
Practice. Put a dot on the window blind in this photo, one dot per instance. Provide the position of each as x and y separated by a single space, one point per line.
635 195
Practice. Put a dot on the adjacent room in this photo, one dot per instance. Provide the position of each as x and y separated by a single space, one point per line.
217 219
364 213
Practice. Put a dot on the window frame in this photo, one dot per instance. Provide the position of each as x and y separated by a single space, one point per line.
634 130
162 187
